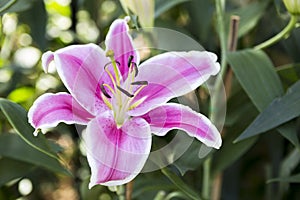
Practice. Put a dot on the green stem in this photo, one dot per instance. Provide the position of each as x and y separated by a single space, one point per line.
291 25
121 192
206 178
178 182
220 11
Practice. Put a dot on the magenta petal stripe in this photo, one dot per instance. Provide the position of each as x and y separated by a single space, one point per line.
116 155
176 116
119 40
122 102
173 74
81 68
50 109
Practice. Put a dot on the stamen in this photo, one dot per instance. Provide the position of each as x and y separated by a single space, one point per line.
110 88
117 62
130 61
109 74
135 68
125 92
140 83
104 91
110 54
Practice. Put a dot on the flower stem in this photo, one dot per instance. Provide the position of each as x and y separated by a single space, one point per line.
291 25
206 179
178 182
215 99
121 192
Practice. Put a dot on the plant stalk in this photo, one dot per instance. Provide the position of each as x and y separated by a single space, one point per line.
285 32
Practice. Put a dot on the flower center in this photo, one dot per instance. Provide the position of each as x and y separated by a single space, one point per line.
119 96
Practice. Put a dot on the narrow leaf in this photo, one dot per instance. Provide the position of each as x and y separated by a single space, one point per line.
289 179
257 75
14 5
12 146
162 6
289 164
17 117
281 110
249 16
6 5
180 184
240 112
11 169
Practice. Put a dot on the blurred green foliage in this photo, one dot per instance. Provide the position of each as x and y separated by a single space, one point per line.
260 155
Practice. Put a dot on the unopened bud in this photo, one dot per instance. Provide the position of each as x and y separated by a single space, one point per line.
293 6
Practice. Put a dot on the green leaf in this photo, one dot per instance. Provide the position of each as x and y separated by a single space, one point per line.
249 16
178 182
162 6
147 185
287 166
12 146
289 131
11 169
37 24
289 179
94 193
14 5
289 73
5 5
257 75
240 112
17 117
281 110
190 159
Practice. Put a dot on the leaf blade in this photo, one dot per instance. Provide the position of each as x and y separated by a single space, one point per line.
11 169
249 65
12 146
17 117
281 110
180 184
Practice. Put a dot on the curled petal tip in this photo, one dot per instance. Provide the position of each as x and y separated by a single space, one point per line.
214 59
36 132
47 58
127 19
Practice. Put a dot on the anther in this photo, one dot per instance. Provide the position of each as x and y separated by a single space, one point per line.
135 68
104 91
140 83
130 60
107 64
125 92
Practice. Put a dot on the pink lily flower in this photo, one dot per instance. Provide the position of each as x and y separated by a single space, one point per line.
122 102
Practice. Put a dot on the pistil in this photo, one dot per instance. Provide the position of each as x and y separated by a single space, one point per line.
120 96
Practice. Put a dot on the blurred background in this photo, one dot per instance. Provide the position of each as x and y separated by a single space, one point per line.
263 166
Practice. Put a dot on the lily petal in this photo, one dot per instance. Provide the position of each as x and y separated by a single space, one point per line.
81 68
116 155
172 74
119 40
176 116
50 109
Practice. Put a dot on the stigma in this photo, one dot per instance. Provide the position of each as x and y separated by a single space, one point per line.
119 95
